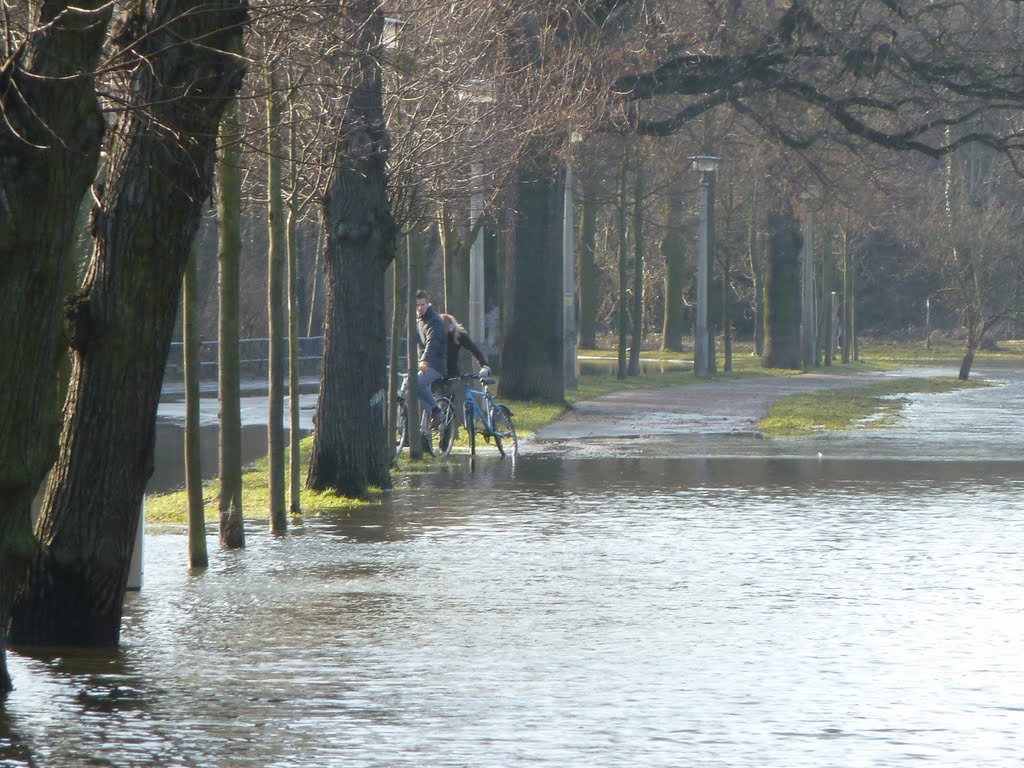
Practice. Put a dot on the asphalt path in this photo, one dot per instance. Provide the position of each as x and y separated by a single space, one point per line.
701 408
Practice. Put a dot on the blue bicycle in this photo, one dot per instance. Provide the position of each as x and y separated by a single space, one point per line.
481 414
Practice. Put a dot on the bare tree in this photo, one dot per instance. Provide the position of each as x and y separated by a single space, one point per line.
178 66
49 140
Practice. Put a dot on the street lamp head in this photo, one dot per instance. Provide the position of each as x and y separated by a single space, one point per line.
810 192
392 31
704 163
476 91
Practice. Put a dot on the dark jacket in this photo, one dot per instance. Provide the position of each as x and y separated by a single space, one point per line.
433 344
458 340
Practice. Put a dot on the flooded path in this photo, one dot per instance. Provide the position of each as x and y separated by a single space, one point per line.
707 600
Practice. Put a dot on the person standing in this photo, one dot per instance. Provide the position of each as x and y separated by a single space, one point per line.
434 356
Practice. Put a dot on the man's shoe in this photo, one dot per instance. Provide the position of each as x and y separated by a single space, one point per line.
435 418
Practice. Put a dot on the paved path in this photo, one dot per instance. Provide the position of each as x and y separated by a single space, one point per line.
706 408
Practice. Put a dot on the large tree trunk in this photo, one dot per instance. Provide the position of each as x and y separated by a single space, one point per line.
49 141
532 354
782 293
229 217
160 158
673 252
352 448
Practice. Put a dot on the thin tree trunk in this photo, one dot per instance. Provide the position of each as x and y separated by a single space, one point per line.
294 430
588 273
276 333
638 270
229 217
413 262
197 554
623 315
673 251
48 100
160 158
758 260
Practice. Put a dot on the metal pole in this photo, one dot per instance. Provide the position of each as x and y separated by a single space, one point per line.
700 336
569 282
476 261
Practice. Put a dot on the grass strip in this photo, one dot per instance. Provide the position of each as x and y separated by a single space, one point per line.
871 406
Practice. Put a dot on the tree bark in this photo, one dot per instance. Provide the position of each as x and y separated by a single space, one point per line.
532 356
622 316
49 144
229 217
352 449
276 330
160 155
588 273
673 252
638 269
782 293
198 557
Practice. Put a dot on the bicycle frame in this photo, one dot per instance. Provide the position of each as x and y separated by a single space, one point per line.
480 408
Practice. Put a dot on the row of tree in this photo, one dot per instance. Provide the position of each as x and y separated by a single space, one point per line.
374 116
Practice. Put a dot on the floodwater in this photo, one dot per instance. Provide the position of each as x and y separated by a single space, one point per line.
722 602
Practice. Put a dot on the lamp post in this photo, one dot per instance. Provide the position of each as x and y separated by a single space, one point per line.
705 165
808 326
477 92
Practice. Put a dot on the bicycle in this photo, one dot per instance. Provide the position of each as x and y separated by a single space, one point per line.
493 419
437 440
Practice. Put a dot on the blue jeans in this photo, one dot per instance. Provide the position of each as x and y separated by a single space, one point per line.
423 382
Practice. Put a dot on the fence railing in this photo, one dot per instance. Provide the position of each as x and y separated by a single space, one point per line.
254 356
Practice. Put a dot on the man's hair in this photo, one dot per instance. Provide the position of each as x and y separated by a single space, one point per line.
421 294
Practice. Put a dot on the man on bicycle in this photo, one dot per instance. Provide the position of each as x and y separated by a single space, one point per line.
434 357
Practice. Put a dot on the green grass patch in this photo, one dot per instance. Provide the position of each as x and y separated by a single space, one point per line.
873 405
172 507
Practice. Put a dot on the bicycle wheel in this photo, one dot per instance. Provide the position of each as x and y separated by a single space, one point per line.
402 433
468 422
446 430
504 432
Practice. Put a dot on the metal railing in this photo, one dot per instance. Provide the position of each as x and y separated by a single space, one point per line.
254 356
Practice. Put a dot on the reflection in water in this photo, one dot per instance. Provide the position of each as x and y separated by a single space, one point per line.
647 610
614 612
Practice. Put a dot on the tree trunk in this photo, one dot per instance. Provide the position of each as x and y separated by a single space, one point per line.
292 252
229 218
588 273
638 270
532 353
160 157
673 250
758 261
623 314
352 449
277 330
198 557
782 293
49 141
